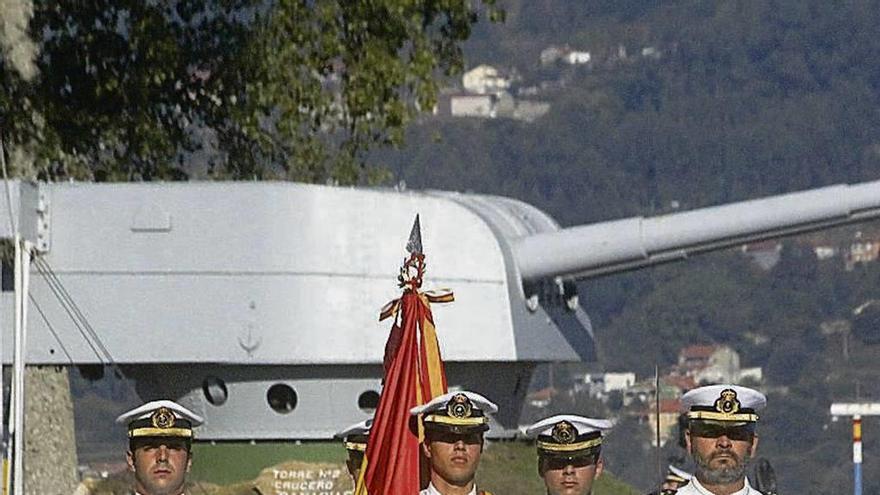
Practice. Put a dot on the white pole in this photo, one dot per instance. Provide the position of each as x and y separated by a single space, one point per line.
14 436
22 278
4 462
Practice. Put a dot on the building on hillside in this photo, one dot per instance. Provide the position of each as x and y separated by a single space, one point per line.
484 80
575 57
709 363
530 111
754 375
639 393
552 54
490 106
864 251
694 357
618 381
482 106
825 252
651 52
680 383
764 254
670 409
591 383
564 54
542 398
600 385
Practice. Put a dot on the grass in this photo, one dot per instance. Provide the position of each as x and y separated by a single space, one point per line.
226 463
506 467
512 468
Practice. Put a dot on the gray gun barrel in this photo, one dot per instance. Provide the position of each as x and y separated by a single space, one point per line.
621 245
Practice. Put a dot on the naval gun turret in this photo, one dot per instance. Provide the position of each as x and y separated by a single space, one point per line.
621 245
256 304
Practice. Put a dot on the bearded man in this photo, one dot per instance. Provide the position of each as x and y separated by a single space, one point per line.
721 438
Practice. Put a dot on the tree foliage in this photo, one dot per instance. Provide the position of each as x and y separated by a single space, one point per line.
283 89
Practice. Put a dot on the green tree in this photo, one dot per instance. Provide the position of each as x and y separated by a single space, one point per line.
284 89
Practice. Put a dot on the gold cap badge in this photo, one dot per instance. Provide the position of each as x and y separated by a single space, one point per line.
564 432
727 403
459 406
163 418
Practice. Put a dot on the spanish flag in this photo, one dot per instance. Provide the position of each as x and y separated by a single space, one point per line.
414 374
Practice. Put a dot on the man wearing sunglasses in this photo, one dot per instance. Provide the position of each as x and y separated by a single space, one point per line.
721 438
674 480
454 425
355 439
569 449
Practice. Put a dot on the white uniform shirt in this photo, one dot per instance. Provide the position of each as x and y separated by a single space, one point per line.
695 488
432 490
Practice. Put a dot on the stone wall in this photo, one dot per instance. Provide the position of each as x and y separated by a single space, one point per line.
50 443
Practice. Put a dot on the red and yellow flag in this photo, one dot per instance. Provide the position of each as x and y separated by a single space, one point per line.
414 374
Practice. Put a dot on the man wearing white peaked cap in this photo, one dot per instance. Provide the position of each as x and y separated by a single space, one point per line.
355 439
721 438
454 425
569 452
160 446
675 479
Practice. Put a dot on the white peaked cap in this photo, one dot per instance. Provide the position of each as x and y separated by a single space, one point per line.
724 402
361 428
438 403
147 410
582 424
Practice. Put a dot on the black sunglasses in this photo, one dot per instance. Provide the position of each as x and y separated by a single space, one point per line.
557 463
744 433
475 438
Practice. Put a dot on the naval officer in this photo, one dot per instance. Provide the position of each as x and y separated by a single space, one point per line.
355 439
454 425
675 479
569 452
721 438
160 446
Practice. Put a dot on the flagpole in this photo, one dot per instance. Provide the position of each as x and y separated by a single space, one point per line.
16 421
22 280
414 374
5 455
657 418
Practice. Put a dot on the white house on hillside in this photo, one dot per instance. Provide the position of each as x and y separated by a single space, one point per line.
577 58
483 106
484 79
715 364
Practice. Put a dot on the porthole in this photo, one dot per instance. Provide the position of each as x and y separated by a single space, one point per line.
215 390
281 398
368 401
